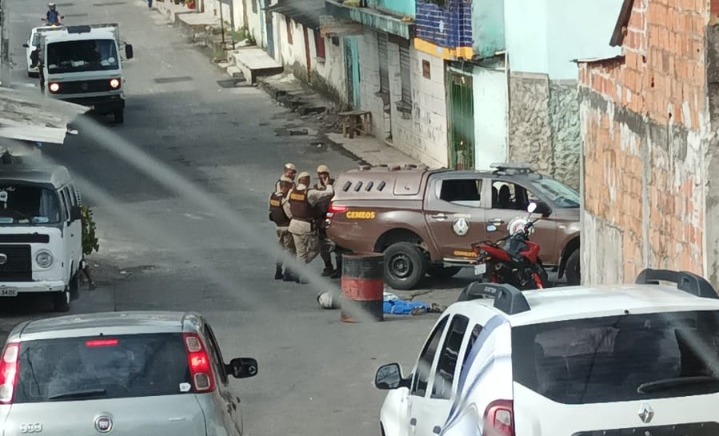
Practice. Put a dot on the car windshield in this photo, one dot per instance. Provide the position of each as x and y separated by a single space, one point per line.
90 55
102 367
621 358
28 204
560 194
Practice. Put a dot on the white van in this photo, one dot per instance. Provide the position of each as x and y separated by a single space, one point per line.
40 233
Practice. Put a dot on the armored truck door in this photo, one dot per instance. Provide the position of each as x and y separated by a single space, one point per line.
455 214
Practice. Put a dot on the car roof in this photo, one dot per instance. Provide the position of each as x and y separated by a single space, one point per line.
55 175
579 302
107 323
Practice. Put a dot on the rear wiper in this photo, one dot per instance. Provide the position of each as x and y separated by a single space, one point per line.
677 382
88 393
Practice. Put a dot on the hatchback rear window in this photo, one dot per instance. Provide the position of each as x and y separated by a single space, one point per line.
621 358
102 367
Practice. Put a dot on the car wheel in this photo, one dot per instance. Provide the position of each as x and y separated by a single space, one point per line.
572 269
61 301
404 265
75 286
443 272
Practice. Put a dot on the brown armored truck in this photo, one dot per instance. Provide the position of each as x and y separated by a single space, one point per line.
425 221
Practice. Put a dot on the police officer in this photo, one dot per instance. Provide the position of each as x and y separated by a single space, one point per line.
323 173
280 217
288 171
302 202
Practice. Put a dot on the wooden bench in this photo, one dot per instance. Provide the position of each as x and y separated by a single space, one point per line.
355 123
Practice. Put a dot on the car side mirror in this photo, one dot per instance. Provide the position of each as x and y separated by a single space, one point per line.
26 45
128 51
75 213
242 367
389 377
542 208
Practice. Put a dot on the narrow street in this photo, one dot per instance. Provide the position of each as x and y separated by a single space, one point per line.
160 252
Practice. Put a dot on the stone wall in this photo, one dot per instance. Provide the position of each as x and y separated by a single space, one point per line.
544 126
645 132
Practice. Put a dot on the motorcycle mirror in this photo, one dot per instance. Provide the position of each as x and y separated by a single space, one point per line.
491 228
532 207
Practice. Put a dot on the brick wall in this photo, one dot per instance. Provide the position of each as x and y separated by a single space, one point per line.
449 26
642 121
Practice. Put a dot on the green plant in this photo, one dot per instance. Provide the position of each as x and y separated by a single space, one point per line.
90 242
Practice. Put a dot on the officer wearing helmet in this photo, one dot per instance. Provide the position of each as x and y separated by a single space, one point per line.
303 200
281 216
323 173
52 17
289 171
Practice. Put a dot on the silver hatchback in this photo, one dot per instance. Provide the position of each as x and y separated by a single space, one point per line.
124 373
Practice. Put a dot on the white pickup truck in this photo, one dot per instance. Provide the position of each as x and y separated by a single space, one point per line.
82 64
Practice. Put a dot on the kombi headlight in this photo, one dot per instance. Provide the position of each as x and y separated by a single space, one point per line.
44 259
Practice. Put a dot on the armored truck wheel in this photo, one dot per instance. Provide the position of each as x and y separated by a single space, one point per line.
404 265
572 269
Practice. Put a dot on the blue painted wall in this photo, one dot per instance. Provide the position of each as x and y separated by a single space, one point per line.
488 27
449 26
404 8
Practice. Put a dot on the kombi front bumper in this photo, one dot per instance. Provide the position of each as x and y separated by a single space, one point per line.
100 104
13 289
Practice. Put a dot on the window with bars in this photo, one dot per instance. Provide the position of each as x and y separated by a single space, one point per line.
405 74
383 61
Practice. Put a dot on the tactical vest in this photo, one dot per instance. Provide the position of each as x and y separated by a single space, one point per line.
277 212
299 206
324 204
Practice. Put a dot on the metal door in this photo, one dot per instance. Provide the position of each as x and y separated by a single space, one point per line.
352 71
269 31
460 129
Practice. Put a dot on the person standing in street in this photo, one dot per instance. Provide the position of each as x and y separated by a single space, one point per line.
289 171
280 216
323 173
302 202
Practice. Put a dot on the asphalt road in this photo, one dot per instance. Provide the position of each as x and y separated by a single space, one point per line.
160 250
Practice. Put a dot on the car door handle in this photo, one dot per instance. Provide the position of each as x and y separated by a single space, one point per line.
437 429
439 216
413 421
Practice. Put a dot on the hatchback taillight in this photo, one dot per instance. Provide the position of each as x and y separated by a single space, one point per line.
199 362
499 418
9 370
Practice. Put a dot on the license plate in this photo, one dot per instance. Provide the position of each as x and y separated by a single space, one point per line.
8 292
480 269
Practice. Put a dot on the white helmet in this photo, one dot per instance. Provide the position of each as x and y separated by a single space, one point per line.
516 225
51 5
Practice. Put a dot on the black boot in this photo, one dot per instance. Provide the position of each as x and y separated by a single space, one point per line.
328 271
338 272
278 271
289 276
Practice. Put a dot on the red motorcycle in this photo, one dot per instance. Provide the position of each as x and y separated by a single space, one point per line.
513 259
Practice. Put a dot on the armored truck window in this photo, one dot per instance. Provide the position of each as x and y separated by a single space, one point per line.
464 192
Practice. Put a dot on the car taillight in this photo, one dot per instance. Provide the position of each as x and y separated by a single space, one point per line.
332 210
199 361
101 343
9 369
499 418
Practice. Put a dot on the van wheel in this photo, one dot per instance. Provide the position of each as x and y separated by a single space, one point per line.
61 301
572 271
404 265
443 272
75 286
119 116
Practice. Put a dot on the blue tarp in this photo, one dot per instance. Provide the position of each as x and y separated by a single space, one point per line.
401 307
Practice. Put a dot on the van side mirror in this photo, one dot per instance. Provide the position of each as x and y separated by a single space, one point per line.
75 213
26 45
128 51
242 367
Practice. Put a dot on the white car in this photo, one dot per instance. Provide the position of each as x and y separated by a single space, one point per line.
575 361
31 45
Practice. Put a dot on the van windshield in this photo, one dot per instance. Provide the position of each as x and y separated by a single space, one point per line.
28 204
74 56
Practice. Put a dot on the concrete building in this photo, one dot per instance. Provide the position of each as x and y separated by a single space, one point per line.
649 119
298 44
